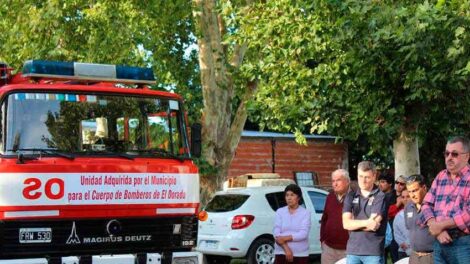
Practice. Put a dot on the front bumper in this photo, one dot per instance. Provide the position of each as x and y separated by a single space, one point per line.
150 258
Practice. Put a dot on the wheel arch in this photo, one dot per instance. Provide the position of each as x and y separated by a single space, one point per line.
268 236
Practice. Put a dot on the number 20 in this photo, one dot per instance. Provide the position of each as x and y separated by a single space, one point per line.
31 191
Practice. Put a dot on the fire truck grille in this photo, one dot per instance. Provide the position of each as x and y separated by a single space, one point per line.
96 236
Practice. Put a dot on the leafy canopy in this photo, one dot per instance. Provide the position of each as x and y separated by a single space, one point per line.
361 68
140 33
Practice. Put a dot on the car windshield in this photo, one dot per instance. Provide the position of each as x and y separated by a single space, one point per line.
226 203
318 201
91 124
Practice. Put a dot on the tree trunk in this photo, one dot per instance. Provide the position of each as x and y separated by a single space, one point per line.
405 150
221 128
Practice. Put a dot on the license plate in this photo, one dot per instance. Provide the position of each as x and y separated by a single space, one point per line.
211 244
35 235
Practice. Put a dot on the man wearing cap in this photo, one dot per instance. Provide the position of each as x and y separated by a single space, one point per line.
333 236
365 215
446 207
400 186
421 241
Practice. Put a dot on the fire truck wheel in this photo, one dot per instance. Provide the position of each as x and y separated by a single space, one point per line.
261 251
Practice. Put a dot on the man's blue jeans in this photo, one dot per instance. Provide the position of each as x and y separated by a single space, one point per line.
457 252
355 259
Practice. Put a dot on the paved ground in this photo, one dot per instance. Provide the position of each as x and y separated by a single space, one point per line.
241 261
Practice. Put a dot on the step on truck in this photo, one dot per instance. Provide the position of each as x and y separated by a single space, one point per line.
95 167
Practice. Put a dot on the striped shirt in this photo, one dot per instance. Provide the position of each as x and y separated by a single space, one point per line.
449 198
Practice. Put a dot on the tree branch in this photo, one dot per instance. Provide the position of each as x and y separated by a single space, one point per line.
236 128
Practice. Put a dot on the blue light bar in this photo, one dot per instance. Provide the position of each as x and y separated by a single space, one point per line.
88 72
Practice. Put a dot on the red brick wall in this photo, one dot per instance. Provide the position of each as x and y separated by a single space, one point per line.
321 157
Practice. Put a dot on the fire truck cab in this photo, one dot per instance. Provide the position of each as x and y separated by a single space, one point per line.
95 167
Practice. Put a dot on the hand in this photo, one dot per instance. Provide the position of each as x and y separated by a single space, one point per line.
435 228
280 240
404 246
399 201
444 237
283 239
289 254
372 225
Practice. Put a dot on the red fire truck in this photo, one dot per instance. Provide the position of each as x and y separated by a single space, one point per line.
95 167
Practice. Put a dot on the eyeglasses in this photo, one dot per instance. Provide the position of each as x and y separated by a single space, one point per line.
400 183
453 154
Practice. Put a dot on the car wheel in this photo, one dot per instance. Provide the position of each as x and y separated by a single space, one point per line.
211 259
261 252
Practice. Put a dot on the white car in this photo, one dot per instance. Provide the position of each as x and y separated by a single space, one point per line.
240 223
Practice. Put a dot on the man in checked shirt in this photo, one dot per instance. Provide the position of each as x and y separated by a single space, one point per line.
446 207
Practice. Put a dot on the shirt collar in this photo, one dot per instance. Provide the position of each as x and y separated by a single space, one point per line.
342 197
374 191
464 171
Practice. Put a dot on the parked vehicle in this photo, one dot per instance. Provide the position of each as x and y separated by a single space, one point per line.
240 223
95 167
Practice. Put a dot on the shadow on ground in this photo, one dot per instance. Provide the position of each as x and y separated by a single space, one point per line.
313 260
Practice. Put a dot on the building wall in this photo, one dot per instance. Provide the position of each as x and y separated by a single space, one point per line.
319 156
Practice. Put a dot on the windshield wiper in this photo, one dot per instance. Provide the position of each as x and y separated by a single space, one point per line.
46 151
160 152
113 154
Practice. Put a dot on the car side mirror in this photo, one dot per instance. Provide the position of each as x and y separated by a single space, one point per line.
196 140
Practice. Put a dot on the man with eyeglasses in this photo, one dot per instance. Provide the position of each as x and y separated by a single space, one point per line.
446 207
421 241
400 187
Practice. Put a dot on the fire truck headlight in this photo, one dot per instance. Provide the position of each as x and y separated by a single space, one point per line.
187 258
176 229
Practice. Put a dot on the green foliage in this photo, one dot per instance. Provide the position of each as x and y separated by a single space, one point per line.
361 68
140 33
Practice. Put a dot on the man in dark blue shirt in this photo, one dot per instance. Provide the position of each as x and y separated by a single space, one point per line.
365 215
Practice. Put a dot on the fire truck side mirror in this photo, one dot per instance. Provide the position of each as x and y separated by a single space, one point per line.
196 140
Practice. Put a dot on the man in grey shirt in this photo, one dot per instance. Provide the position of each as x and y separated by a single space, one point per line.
421 240
365 215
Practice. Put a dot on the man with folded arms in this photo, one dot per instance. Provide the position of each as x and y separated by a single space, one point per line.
446 207
365 215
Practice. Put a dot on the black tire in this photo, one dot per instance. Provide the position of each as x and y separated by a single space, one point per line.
213 259
261 252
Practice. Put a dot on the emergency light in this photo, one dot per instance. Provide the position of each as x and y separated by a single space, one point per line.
88 72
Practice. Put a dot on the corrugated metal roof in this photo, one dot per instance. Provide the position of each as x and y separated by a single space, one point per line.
247 133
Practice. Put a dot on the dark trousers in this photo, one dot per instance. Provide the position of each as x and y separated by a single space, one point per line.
402 255
281 259
393 251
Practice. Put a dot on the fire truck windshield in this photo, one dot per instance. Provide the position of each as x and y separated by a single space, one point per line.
93 124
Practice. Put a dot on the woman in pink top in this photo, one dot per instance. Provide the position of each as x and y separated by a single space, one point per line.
291 228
